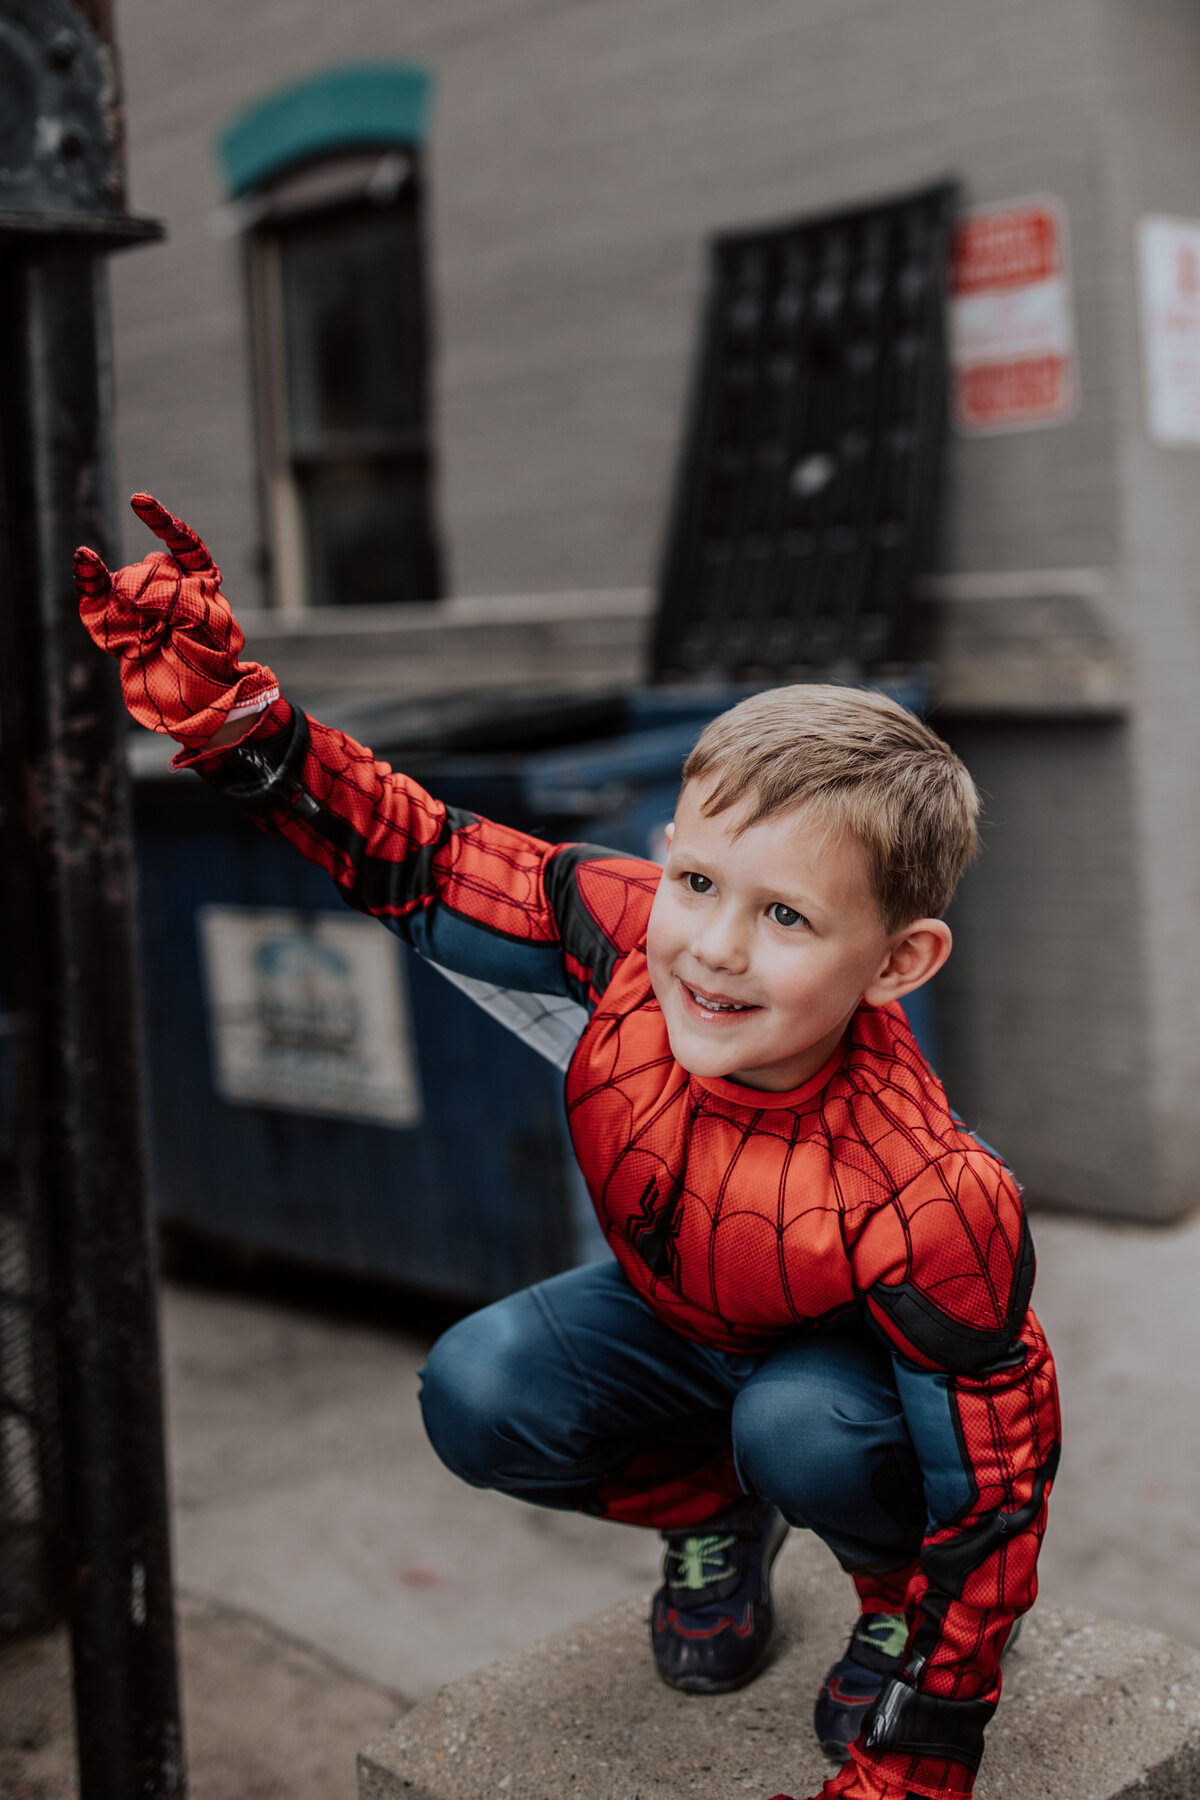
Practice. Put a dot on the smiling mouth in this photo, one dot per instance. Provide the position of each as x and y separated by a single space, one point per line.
712 1004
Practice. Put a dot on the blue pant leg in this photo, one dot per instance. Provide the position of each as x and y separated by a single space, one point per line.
818 1428
546 1392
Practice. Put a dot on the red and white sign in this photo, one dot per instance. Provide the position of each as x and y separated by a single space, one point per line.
1169 255
1012 337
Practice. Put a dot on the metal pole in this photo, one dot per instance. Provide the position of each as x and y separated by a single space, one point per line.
69 867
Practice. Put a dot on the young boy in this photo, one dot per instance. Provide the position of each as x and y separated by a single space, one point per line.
818 1312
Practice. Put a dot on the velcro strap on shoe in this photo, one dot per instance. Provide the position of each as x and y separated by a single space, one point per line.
926 1725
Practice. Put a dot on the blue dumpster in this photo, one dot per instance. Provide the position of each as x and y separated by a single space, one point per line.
461 1190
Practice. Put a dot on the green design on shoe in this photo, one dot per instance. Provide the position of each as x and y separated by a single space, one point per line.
699 1561
885 1632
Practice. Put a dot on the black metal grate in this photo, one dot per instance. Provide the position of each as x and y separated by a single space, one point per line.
807 491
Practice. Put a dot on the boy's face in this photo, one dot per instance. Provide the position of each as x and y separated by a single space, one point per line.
762 946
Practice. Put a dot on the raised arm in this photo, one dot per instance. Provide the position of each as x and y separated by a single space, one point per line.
491 903
496 904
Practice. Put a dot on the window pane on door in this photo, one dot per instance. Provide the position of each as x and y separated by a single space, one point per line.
368 533
352 327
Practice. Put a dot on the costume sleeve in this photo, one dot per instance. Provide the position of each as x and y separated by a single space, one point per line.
484 901
946 1270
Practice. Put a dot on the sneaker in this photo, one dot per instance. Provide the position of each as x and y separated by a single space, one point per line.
712 1619
852 1686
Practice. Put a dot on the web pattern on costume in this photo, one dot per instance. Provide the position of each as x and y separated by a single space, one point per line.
549 1023
738 1222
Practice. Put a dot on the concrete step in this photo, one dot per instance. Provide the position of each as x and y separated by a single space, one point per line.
1093 1709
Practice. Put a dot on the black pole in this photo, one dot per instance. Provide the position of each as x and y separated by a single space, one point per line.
69 868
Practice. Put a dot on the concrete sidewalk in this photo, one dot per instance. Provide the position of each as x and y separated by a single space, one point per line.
310 1511
1121 1306
266 1717
305 1492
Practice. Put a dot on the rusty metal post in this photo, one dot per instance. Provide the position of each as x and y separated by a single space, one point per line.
71 894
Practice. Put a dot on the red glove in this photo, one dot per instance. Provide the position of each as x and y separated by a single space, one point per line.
172 629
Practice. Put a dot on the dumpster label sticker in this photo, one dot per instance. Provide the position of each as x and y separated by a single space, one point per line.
1169 264
1012 334
308 1011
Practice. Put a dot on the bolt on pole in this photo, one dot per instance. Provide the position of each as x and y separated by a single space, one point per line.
69 874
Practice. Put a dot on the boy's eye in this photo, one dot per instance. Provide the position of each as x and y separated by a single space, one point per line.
784 915
698 884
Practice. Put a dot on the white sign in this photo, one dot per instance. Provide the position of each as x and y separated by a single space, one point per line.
1012 335
1169 259
308 1011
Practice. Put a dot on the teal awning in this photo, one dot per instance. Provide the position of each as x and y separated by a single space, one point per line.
354 107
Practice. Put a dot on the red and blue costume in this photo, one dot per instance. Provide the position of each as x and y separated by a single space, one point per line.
743 1221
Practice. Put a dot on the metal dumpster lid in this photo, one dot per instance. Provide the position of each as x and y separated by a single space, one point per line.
452 724
806 490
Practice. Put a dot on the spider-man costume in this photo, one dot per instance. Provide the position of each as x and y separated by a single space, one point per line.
741 1218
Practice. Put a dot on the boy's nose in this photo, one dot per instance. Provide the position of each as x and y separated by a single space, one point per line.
721 945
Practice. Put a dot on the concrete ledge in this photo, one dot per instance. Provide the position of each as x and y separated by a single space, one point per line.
581 641
1024 643
1093 1710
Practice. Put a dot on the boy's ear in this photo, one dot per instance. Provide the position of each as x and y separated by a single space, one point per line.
915 956
669 832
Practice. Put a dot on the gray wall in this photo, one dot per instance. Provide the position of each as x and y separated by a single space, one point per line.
580 156
1154 157
1044 1006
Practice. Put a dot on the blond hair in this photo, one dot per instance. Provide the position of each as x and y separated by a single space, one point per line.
868 766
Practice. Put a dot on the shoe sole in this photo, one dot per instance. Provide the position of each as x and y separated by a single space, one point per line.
700 1684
